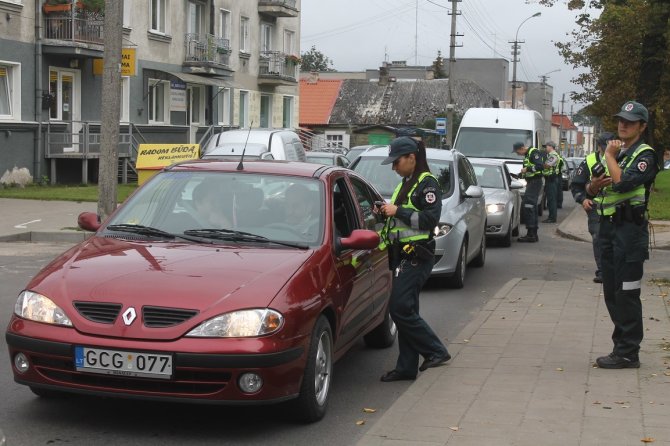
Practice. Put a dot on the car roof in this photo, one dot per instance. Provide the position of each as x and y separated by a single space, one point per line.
277 167
383 151
323 154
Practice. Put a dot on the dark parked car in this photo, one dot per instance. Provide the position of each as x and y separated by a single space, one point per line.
248 304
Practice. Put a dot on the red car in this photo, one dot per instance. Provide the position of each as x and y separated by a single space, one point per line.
215 284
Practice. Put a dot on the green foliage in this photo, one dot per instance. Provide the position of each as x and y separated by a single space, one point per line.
659 200
438 67
315 60
41 191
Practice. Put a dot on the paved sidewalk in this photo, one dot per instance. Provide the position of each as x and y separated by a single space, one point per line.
522 373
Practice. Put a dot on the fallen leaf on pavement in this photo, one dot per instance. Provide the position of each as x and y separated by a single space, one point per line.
648 440
620 402
559 369
454 428
366 410
597 402
360 422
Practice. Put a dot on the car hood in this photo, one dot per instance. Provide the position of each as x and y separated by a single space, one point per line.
208 279
495 195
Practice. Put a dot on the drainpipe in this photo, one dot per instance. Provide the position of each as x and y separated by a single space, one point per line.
37 149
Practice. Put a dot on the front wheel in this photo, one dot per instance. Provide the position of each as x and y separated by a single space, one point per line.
479 261
458 279
313 399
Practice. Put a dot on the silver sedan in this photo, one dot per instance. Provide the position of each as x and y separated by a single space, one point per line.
503 200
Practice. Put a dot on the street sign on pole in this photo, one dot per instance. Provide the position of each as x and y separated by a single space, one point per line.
441 125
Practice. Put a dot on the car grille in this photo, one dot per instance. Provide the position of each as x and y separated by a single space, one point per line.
104 313
185 381
160 317
154 317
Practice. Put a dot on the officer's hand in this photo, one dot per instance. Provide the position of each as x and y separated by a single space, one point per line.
389 210
523 170
587 204
600 182
613 147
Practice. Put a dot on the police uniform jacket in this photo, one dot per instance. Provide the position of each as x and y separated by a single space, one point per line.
534 163
642 170
427 197
581 179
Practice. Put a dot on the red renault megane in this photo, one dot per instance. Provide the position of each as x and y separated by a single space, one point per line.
212 283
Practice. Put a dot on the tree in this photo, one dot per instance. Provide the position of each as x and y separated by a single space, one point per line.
438 67
315 60
625 54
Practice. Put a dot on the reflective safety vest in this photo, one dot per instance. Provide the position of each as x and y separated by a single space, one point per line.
608 199
395 230
528 165
592 159
554 162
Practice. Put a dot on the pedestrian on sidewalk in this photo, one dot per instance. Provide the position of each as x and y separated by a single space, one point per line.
533 163
551 180
621 197
591 166
411 217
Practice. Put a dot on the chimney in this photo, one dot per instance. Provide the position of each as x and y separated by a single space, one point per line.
313 77
383 74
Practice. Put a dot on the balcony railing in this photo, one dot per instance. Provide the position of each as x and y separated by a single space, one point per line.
278 8
277 64
285 3
74 29
207 48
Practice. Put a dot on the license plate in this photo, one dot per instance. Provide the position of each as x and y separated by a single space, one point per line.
122 363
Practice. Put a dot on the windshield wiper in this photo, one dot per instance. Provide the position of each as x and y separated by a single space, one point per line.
238 236
142 230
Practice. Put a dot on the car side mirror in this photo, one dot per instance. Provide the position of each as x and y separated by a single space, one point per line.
515 185
474 192
360 239
89 221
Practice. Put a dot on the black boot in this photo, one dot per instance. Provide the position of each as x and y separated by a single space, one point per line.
530 237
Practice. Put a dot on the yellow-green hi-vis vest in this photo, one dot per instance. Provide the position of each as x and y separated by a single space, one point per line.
399 231
528 165
607 199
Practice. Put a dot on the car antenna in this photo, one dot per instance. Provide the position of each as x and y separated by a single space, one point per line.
241 166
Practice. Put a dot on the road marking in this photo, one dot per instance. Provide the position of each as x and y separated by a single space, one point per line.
23 225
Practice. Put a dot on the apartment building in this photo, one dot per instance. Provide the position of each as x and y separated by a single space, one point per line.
189 67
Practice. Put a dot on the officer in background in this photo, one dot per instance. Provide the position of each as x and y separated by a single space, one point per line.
552 182
593 163
411 218
533 164
559 169
621 195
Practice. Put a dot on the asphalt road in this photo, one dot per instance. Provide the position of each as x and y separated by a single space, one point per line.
78 420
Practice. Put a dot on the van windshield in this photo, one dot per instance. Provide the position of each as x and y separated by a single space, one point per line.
491 143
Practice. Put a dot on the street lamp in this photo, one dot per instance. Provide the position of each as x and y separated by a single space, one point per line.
516 57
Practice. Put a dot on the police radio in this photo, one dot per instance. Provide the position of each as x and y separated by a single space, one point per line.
597 170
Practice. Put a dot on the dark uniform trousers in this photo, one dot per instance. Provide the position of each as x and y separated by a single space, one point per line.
530 197
551 190
594 225
624 250
415 337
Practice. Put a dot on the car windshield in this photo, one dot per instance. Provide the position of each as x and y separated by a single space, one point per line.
280 208
386 180
354 152
491 143
327 160
489 176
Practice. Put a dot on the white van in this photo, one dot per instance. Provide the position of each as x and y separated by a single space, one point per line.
277 144
491 132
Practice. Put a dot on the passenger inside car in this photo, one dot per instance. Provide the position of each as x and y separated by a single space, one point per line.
209 206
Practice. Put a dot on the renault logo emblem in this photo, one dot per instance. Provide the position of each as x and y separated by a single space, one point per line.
129 316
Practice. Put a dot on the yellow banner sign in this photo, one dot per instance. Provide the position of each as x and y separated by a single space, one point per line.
128 63
153 157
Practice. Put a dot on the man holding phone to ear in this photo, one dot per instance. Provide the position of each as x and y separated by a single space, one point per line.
621 195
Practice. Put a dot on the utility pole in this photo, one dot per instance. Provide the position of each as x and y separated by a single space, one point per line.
560 127
452 59
515 55
111 108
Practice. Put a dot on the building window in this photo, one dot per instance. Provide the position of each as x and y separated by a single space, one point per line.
244 108
223 106
287 113
266 37
127 8
158 16
289 42
224 27
158 101
337 139
63 94
266 111
196 104
125 99
244 35
196 18
10 89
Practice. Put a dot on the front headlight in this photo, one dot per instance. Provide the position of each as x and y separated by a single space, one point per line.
38 308
494 208
443 229
240 324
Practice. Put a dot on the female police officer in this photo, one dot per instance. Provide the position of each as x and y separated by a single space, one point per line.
408 233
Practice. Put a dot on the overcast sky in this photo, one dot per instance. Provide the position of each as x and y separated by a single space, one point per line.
360 34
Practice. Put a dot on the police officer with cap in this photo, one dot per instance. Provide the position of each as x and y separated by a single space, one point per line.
552 180
621 195
533 164
592 165
411 218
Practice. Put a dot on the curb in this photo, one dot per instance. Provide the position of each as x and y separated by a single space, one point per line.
47 236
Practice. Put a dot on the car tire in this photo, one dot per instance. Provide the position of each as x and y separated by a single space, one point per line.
506 241
383 335
457 280
310 406
479 261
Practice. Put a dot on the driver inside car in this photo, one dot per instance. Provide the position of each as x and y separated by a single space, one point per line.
300 212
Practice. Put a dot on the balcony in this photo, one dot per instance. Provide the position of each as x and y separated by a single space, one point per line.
207 54
79 29
278 8
277 68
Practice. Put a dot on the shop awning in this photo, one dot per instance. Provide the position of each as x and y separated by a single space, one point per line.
202 80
